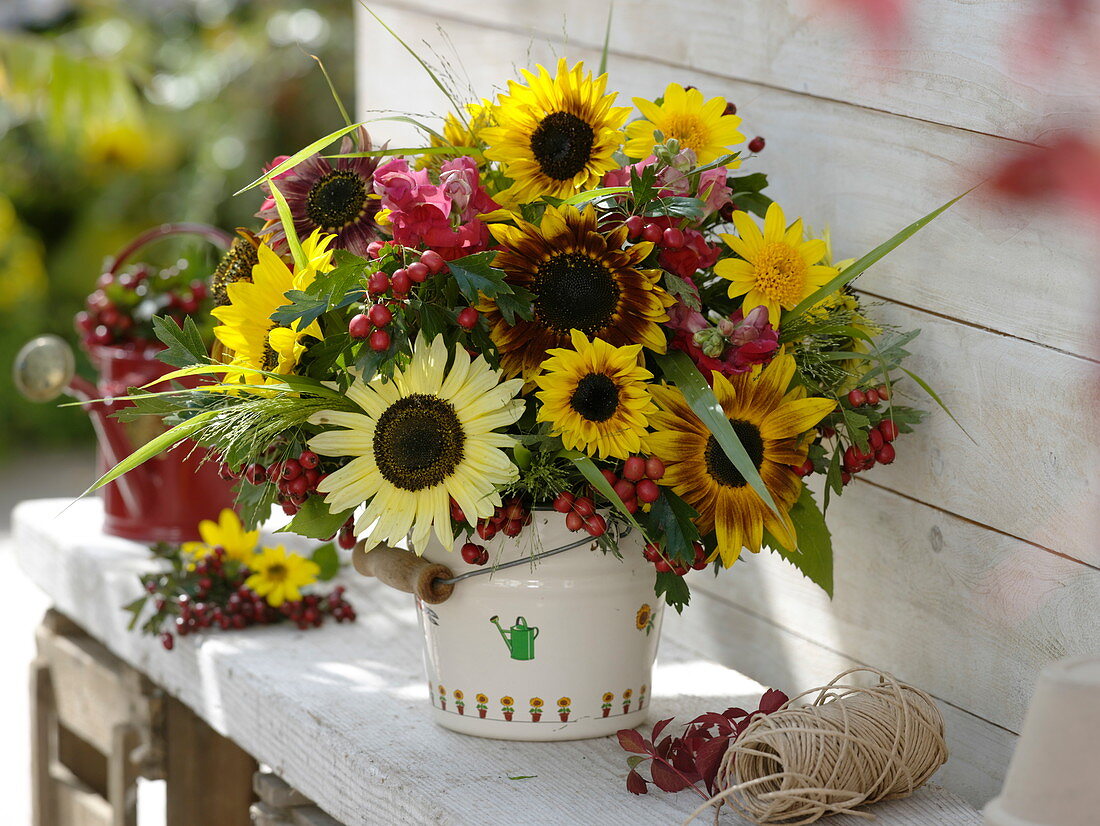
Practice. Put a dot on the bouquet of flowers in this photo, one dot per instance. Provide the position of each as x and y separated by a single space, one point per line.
558 302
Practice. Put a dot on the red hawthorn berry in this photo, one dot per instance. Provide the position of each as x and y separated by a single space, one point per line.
380 341
662 566
647 491
483 558
290 469
574 521
289 508
418 272
634 226
700 561
886 454
512 527
624 489
872 397
312 477
651 551
486 529
563 502
401 283
471 553
845 477
378 283
672 238
610 476
380 315
853 457
359 326
298 486
652 233
805 469
631 505
596 525
634 468
167 640
654 468
583 506
875 438
679 568
889 429
883 392
433 261
857 398
346 539
308 459
373 248
756 144
467 318
731 109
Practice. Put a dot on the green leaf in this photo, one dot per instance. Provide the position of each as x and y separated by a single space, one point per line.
591 473
875 255
475 274
300 156
184 347
303 309
518 302
674 588
408 150
593 194
814 557
747 183
677 206
327 560
315 520
675 518
678 287
681 371
286 218
924 386
154 446
606 41
333 92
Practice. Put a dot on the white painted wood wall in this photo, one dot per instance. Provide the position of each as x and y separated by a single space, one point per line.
966 566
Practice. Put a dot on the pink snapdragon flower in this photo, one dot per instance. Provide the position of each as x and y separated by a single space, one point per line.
734 346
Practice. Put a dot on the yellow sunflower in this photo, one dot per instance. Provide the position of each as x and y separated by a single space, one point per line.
424 437
596 397
277 576
246 328
581 280
770 423
642 618
698 125
556 135
227 533
777 268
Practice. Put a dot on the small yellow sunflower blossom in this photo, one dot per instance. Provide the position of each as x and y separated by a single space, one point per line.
227 533
642 618
777 268
701 126
277 576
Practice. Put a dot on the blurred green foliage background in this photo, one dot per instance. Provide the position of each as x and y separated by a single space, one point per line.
116 115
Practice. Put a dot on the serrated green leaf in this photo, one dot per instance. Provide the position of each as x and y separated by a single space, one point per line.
674 589
183 346
677 206
303 309
747 183
315 520
814 557
679 288
519 302
675 518
475 274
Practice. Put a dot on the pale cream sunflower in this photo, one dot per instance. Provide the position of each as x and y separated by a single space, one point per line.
425 437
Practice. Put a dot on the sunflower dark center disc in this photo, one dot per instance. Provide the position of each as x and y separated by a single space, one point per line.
575 292
270 358
562 145
719 466
418 442
596 397
336 200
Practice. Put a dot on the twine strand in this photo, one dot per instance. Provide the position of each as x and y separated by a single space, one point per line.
848 746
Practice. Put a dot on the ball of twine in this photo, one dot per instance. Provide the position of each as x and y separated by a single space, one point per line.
847 747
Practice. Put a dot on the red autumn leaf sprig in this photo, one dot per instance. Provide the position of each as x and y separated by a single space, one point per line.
692 759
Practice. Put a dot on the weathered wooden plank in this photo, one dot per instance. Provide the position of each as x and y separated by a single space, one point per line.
754 644
865 174
340 712
918 592
958 66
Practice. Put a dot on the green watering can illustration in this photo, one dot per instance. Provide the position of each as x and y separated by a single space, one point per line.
520 638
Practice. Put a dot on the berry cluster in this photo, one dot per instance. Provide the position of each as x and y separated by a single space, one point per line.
509 518
663 564
211 592
580 512
879 449
372 325
869 397
671 238
121 308
637 484
295 479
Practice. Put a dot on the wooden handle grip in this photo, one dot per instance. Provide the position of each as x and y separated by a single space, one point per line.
404 571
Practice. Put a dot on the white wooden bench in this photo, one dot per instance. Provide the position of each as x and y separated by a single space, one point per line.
339 713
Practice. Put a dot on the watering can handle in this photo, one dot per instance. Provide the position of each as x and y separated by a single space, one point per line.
535 636
404 571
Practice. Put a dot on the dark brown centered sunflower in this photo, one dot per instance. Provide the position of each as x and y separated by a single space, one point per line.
236 265
418 442
581 280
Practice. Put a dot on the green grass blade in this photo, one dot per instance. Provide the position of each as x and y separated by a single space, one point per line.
606 40
924 386
154 446
409 150
593 194
332 89
287 220
460 111
681 371
881 251
300 156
